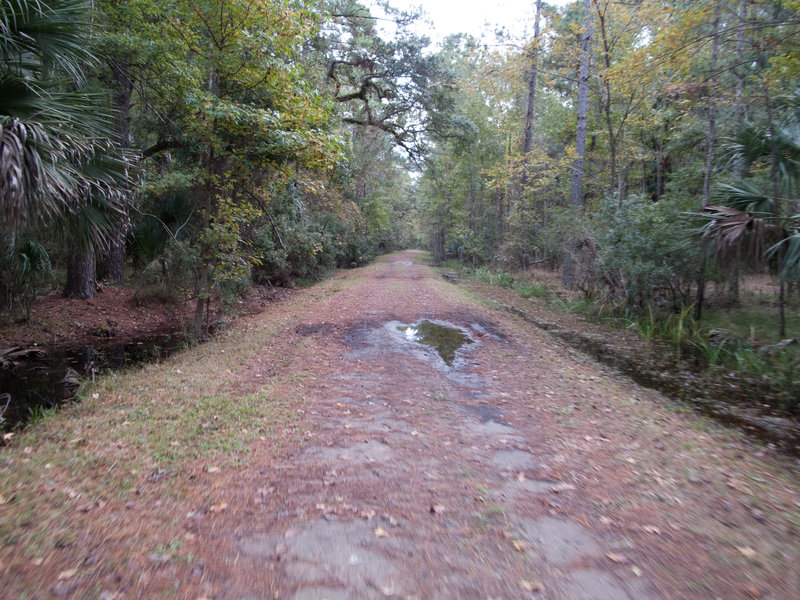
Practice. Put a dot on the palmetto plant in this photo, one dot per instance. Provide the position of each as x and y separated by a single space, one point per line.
749 213
55 153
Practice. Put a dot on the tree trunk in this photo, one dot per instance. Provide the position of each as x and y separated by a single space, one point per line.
111 266
711 142
533 72
576 194
606 101
80 273
776 201
733 274
733 280
203 296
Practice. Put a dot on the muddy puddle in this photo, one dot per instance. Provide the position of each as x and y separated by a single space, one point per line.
444 338
35 380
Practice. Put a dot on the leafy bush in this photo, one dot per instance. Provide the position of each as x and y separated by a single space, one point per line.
644 252
532 290
25 268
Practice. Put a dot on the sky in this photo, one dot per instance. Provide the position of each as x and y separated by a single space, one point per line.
472 16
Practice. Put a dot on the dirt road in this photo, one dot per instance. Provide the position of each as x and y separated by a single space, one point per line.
522 470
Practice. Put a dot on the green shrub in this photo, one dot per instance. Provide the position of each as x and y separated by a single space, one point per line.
532 290
25 268
645 253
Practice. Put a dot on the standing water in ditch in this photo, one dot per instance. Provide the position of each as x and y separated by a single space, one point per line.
34 381
446 340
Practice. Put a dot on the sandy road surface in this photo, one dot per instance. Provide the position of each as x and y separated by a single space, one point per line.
524 470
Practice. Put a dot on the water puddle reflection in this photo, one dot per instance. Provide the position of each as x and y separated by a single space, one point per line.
445 340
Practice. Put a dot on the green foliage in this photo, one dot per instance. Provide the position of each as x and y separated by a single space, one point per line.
643 253
54 136
26 268
532 290
171 276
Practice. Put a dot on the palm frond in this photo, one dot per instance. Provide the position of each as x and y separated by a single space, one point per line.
744 195
790 261
39 35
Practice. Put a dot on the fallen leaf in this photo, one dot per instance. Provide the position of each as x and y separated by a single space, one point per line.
159 558
738 486
95 396
617 558
387 590
380 532
218 507
636 571
437 509
651 529
531 586
562 487
2 499
747 551
758 515
68 574
212 469
367 514
518 545
753 591
521 477
37 562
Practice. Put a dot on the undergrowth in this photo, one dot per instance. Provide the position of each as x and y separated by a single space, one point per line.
740 350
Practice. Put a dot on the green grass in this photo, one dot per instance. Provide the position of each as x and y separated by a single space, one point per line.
533 289
147 428
747 329
754 322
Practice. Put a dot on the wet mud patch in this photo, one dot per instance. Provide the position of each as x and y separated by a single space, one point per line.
321 329
331 560
368 452
493 429
488 328
561 543
590 584
516 488
514 460
486 413
443 343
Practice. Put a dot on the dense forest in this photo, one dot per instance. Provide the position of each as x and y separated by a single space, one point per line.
197 147
304 299
647 151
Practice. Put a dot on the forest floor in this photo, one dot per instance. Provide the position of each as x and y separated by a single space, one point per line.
313 451
113 314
